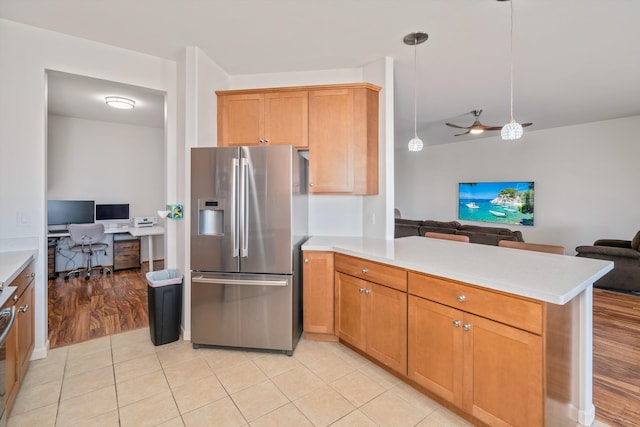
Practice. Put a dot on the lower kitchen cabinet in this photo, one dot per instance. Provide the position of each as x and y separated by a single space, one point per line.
489 369
373 318
318 296
20 342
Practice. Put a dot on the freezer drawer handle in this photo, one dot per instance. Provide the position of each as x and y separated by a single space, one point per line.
200 279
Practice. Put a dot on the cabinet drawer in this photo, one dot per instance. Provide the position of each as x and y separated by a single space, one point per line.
510 310
392 277
24 278
127 246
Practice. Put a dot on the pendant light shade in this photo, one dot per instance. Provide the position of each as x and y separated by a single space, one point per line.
512 130
414 39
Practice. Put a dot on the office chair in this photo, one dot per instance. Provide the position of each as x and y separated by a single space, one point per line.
86 240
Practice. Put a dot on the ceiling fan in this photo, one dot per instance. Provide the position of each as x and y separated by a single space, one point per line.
477 127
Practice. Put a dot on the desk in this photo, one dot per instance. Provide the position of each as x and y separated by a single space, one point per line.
147 232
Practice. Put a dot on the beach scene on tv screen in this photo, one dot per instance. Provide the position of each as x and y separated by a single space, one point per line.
500 202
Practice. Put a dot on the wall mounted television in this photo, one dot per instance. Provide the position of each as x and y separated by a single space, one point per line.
112 213
501 202
61 213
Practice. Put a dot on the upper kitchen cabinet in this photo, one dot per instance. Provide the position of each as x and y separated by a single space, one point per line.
338 124
343 140
254 117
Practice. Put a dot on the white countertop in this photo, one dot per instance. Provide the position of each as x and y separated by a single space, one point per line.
547 277
12 262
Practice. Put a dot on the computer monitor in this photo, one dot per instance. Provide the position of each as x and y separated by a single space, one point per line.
112 213
61 213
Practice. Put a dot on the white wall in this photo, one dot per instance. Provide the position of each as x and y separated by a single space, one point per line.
25 55
101 161
585 179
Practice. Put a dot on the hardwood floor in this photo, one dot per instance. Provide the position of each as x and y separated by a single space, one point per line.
106 305
616 358
80 310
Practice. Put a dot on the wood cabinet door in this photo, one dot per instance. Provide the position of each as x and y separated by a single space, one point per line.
435 345
240 119
318 292
387 326
503 380
24 327
286 119
331 132
350 309
12 366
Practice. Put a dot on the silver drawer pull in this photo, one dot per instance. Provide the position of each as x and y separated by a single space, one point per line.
461 298
466 326
365 270
367 291
306 260
456 323
361 290
23 309
200 279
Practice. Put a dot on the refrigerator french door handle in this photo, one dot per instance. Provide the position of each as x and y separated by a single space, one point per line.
234 228
244 209
201 279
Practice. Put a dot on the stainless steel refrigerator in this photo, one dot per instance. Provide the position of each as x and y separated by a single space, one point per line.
248 220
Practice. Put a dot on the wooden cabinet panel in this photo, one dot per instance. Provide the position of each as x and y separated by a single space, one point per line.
350 310
240 119
373 318
286 120
435 348
318 294
387 326
372 271
515 311
503 381
491 370
20 342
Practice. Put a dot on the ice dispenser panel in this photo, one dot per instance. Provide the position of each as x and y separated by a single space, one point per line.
210 218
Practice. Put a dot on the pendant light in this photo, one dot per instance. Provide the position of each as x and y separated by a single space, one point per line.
513 129
414 39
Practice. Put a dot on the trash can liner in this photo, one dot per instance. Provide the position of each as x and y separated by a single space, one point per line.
164 277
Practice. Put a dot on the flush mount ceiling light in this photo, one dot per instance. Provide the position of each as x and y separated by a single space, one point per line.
512 130
120 102
414 39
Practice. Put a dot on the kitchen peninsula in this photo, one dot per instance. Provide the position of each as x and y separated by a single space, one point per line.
502 335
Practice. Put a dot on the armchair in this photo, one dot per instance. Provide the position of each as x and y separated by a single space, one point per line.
625 255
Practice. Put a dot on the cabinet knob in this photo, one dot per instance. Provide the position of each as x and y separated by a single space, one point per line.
311 184
266 141
461 298
32 275
466 326
261 141
365 270
361 290
15 297
456 323
367 291
306 260
23 309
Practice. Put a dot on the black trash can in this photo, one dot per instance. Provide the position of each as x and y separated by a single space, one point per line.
164 297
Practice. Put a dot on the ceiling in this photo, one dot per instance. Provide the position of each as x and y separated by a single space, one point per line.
574 61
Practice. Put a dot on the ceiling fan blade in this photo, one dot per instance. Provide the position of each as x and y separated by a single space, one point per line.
456 126
492 127
460 134
524 125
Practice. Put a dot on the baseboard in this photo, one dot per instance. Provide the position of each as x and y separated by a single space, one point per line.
40 352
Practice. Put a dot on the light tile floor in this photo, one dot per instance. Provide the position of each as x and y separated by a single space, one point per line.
124 380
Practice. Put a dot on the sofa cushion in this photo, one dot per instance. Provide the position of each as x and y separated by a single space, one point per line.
409 221
635 242
441 224
404 230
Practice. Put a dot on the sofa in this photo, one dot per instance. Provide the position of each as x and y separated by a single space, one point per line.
476 233
625 255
